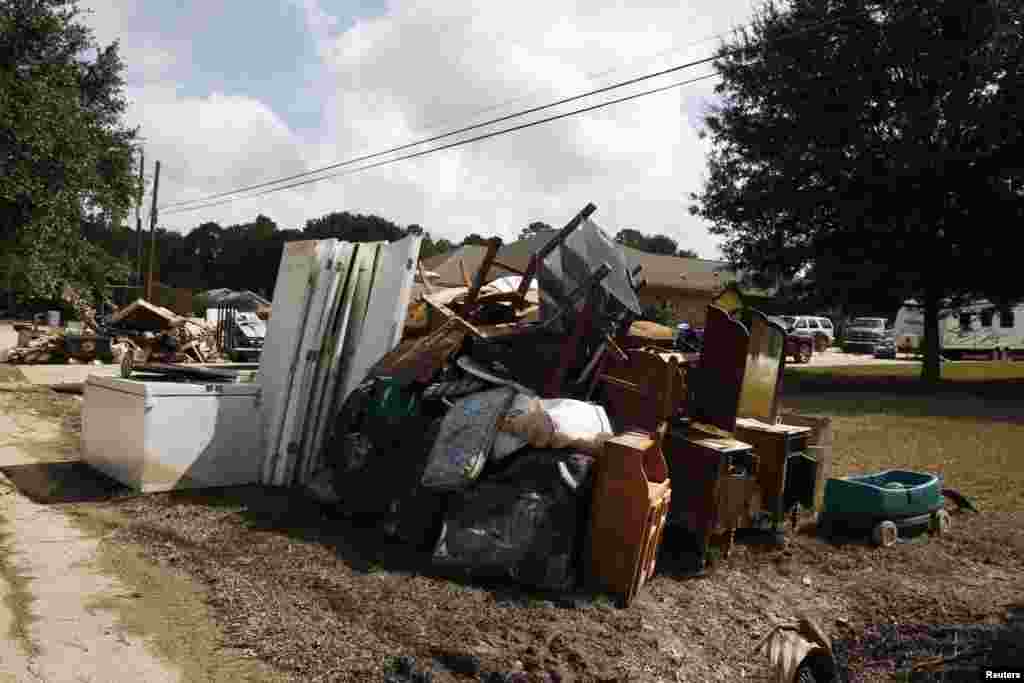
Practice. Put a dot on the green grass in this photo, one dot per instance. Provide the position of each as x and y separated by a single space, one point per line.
969 428
971 371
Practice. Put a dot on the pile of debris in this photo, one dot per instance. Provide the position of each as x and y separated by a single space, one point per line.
146 332
542 434
153 334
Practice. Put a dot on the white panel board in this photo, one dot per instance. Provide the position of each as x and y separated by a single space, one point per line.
305 368
387 309
359 280
336 316
292 295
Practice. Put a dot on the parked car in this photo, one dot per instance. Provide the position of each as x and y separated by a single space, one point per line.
821 329
799 343
886 347
864 334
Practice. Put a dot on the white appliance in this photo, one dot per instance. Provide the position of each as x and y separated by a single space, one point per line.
158 436
338 308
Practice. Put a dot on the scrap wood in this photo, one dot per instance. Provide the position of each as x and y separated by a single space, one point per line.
23 388
143 315
423 278
421 359
478 280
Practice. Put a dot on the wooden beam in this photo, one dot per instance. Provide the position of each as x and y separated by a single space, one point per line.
509 268
478 280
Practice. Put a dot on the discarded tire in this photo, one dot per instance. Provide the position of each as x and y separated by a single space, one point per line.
885 534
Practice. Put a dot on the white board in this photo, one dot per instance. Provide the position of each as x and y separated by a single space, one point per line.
337 314
292 294
387 309
302 375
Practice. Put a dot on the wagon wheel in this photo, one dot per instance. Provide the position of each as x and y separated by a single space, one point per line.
127 364
940 522
885 534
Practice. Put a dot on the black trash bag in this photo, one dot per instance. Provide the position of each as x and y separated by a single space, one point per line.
377 478
523 523
381 463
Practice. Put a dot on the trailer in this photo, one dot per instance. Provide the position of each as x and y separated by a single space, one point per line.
979 330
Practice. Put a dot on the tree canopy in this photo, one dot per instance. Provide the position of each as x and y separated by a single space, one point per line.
876 143
653 244
66 155
533 229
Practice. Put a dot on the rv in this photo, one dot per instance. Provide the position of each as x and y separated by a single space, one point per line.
977 330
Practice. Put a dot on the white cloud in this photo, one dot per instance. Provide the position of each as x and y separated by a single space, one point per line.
393 78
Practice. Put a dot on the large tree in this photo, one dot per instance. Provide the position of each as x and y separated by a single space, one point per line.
876 142
66 154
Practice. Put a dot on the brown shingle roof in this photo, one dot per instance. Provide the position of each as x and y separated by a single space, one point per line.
667 272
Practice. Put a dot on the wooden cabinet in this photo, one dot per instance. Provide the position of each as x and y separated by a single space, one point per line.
714 478
786 470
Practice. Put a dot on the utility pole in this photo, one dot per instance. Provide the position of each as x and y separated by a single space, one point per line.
138 218
152 234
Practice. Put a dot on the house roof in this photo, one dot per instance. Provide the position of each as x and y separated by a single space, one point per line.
665 272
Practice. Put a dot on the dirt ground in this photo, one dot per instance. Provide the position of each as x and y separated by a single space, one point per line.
289 584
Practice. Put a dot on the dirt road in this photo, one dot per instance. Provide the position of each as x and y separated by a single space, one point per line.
51 587
73 606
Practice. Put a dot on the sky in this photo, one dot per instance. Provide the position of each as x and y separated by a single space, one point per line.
230 93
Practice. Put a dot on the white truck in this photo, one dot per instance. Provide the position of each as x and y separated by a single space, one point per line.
979 330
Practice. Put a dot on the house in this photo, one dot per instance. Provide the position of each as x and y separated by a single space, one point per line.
685 285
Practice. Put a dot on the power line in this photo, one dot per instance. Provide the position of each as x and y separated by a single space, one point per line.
590 75
482 124
465 129
202 201
450 145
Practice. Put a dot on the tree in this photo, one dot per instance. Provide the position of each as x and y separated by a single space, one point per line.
353 227
431 247
654 244
850 133
533 229
475 238
66 155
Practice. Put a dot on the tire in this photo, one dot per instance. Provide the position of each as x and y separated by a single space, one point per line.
803 354
885 534
820 343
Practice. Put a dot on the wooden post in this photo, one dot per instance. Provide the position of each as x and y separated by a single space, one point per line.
478 280
152 235
138 218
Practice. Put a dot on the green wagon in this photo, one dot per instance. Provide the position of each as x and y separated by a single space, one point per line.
882 504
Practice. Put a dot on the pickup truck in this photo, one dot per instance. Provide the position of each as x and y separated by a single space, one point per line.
864 334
